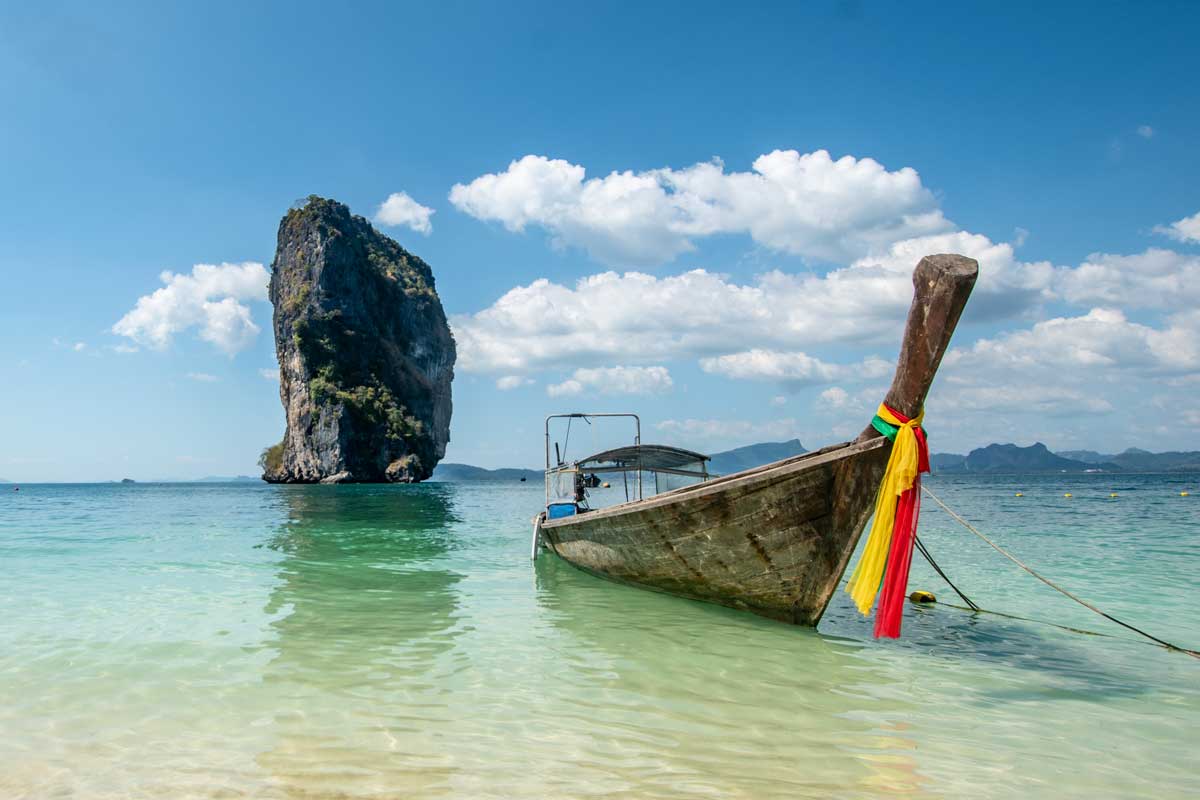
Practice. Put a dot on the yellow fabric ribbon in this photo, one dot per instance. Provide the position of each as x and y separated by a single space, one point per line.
898 478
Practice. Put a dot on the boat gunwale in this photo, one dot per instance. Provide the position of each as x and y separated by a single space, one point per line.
787 466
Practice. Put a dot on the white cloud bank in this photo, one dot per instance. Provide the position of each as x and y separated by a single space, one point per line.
212 298
1102 339
850 211
806 204
1183 230
401 209
1068 365
637 317
614 380
1156 278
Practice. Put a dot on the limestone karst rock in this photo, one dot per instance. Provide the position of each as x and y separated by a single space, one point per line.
366 356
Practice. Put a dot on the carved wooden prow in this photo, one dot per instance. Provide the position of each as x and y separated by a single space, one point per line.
941 284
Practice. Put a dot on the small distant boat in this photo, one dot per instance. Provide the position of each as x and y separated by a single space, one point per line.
774 540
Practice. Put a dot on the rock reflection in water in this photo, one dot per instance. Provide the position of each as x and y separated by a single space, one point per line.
365 620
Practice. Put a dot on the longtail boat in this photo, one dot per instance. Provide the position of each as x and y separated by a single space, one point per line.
776 539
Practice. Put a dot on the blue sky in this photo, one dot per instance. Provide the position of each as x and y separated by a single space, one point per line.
1058 145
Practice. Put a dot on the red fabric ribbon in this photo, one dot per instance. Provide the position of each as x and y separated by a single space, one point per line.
890 611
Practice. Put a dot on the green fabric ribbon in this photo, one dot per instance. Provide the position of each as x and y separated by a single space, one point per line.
886 428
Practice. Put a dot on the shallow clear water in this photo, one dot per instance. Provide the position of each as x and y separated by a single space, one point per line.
394 641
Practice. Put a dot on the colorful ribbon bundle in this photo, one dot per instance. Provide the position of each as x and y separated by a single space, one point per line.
883 567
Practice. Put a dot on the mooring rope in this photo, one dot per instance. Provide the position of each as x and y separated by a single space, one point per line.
925 552
1052 584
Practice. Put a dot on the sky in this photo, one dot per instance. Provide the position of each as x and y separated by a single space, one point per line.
705 214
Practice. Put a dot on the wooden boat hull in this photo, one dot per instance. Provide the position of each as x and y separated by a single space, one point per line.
773 540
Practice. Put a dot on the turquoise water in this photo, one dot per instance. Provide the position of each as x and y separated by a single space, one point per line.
395 641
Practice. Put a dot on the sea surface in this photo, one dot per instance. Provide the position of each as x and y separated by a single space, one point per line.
244 640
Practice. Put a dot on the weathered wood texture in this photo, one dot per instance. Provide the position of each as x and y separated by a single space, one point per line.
941 286
776 539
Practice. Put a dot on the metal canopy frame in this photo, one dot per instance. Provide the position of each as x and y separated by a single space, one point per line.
636 458
637 438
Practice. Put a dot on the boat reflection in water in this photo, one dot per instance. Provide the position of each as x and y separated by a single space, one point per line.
702 698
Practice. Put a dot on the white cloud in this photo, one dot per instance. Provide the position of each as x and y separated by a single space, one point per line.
269 374
614 380
202 377
124 349
635 317
835 397
566 388
709 435
1102 339
795 368
791 368
805 204
1155 278
1038 399
779 400
1183 230
1005 286
1145 131
210 299
228 325
509 382
400 209
606 318
77 347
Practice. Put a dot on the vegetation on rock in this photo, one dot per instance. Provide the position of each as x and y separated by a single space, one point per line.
271 459
366 355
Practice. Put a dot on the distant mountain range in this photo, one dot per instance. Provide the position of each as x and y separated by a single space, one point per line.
722 463
1001 458
995 459
753 455
209 479
466 472
1137 460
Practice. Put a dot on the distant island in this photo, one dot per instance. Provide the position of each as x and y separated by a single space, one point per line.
466 472
1009 458
994 459
753 455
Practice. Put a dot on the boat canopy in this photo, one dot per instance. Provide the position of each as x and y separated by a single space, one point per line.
647 457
